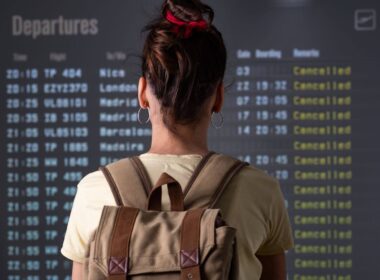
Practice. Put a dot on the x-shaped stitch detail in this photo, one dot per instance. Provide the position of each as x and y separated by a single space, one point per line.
189 258
118 265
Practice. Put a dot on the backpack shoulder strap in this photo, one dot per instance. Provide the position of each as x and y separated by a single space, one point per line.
129 182
210 181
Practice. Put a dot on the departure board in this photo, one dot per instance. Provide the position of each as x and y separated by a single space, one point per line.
300 103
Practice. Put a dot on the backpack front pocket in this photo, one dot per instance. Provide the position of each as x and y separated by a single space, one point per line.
155 244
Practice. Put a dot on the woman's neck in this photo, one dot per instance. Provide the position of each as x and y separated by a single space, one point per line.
187 140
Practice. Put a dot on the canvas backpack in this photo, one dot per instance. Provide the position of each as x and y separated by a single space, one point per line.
136 240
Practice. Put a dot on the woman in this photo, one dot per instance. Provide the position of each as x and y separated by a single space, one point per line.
184 60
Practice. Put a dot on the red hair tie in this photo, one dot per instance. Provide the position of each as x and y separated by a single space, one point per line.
189 25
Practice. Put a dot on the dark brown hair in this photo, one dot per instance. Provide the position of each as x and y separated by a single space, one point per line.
183 72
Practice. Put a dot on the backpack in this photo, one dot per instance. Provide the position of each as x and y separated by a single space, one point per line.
136 240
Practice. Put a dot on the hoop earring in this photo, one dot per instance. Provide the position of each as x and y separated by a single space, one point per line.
139 116
221 120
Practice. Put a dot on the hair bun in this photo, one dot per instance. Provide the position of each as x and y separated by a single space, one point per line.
181 76
188 10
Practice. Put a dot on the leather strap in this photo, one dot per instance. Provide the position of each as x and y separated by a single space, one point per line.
197 170
140 168
120 239
224 182
112 184
116 277
212 180
189 254
175 194
124 179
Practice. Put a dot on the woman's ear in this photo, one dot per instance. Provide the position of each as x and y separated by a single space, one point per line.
142 87
219 100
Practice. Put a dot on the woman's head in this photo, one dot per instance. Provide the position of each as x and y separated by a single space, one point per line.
183 63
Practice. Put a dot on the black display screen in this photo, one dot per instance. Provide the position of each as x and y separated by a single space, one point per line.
301 104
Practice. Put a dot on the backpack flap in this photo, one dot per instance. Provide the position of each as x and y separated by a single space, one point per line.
156 244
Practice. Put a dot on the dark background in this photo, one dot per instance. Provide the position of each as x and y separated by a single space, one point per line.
28 250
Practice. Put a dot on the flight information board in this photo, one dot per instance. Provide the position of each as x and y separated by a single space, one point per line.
300 104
